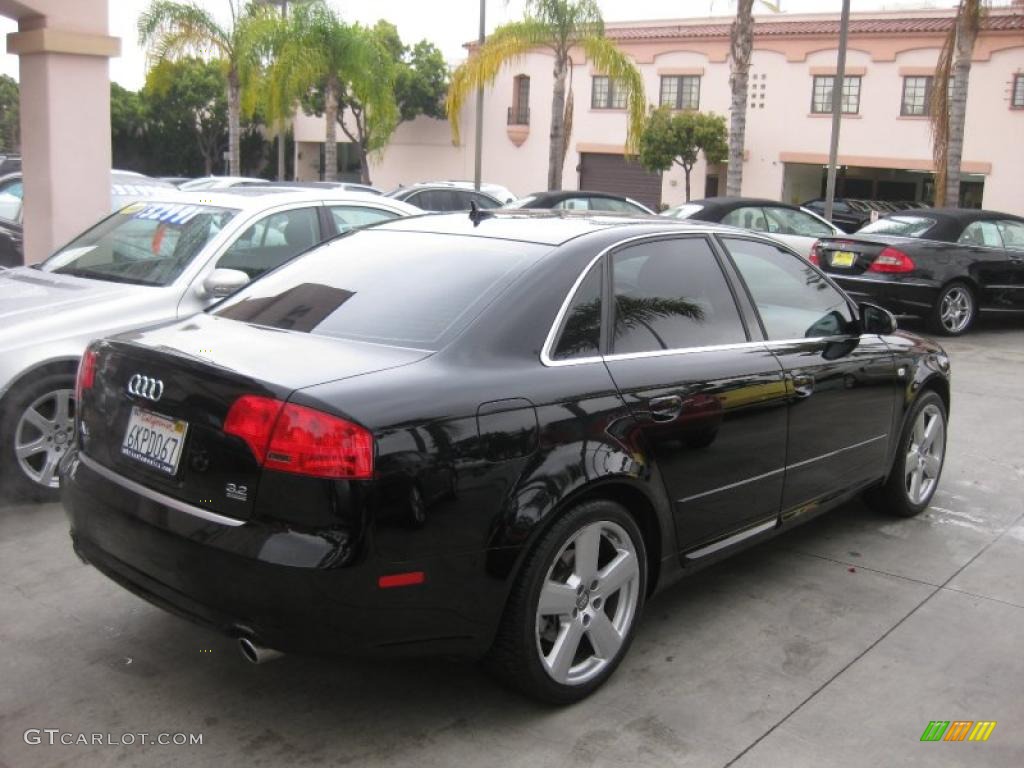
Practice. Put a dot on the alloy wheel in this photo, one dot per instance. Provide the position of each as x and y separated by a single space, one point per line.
587 603
956 309
43 435
924 454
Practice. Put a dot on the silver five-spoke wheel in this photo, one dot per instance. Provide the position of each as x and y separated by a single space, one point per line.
43 435
587 603
924 454
957 309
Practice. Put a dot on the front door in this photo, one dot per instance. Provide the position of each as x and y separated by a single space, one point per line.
710 402
843 385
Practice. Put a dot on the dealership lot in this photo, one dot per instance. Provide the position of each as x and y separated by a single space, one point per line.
834 645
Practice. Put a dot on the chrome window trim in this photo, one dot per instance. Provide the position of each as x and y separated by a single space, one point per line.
160 498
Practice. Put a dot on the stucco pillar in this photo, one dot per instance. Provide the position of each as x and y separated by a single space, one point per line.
65 125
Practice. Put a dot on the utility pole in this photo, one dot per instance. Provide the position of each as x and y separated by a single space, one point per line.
837 109
478 158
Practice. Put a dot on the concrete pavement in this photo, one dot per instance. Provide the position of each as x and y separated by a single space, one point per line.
832 646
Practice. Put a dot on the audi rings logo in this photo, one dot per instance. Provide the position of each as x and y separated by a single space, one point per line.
144 386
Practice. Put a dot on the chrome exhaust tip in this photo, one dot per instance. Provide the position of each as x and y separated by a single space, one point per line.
256 654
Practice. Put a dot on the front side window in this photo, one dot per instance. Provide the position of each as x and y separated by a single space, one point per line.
348 217
786 221
272 241
746 218
143 243
680 91
607 93
917 96
672 294
902 225
793 299
1017 95
983 233
580 334
821 101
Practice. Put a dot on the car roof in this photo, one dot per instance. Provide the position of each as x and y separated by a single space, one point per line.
565 194
259 197
962 215
725 204
545 226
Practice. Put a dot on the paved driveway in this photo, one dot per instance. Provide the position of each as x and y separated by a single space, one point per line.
832 646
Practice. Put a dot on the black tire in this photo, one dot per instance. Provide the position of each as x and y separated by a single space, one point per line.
12 476
516 656
958 293
894 496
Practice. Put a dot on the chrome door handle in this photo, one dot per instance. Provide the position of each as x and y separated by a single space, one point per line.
803 385
665 408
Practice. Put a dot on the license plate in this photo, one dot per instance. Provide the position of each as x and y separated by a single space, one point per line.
843 258
154 440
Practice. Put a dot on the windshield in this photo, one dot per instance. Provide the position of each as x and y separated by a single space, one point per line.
904 226
406 289
143 243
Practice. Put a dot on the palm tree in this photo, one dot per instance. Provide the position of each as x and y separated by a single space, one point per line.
741 45
561 26
949 101
175 30
321 52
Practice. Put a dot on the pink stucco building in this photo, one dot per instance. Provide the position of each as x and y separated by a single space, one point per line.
885 143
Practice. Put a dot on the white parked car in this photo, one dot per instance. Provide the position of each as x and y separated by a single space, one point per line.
220 182
151 262
797 227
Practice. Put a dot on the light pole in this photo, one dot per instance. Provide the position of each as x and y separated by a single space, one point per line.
478 154
837 109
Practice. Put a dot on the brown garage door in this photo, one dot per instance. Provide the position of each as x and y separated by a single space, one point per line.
615 174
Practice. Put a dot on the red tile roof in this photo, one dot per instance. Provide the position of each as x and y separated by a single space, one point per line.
824 27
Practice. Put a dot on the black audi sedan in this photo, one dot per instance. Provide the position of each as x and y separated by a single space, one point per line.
943 264
492 435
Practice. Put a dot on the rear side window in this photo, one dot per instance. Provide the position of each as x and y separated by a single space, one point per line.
348 217
786 221
904 226
984 233
792 297
747 218
580 334
1013 234
401 288
672 294
482 201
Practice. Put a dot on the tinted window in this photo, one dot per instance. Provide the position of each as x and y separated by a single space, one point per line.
904 226
672 294
482 201
403 288
613 204
347 217
272 241
792 297
1013 234
984 233
786 221
580 334
146 244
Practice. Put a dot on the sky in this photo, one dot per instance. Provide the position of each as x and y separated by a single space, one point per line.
448 23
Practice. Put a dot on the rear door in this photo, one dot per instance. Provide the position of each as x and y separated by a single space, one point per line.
708 397
844 385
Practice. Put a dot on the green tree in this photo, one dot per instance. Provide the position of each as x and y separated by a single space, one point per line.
10 133
127 128
175 30
559 26
679 138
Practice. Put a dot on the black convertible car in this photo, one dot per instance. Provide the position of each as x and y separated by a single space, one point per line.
942 264
494 435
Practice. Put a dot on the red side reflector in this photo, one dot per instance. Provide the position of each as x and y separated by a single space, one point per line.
892 260
401 579
86 373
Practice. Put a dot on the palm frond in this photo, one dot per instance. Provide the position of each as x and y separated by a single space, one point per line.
606 57
508 43
172 30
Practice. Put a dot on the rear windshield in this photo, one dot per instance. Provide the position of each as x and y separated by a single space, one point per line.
904 226
406 289
143 243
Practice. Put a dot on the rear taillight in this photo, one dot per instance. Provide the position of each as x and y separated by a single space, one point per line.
892 260
815 257
86 374
300 440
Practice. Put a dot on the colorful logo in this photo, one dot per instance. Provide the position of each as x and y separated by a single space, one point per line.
958 730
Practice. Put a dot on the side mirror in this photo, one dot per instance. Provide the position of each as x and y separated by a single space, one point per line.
223 282
875 320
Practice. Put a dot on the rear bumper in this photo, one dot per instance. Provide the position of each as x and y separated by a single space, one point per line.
293 591
903 297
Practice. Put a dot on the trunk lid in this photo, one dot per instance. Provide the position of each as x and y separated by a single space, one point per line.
835 258
129 422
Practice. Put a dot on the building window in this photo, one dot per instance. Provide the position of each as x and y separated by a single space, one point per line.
821 101
519 112
1017 95
606 93
680 91
917 96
